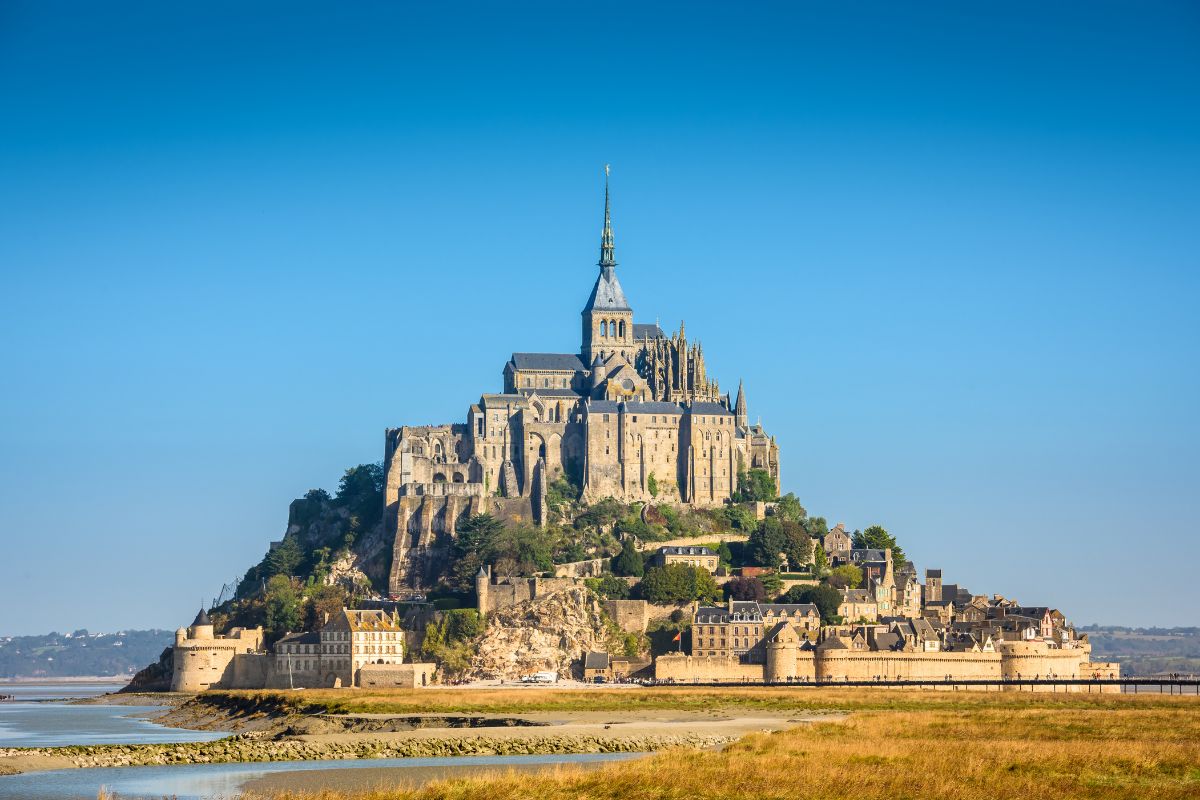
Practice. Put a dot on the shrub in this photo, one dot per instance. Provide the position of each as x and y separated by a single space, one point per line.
630 561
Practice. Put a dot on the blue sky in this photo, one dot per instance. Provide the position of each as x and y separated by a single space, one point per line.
952 250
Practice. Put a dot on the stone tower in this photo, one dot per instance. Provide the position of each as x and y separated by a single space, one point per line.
607 317
739 408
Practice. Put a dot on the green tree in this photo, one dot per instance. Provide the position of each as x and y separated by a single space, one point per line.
817 527
772 583
877 538
629 561
725 554
820 560
847 576
679 583
789 508
473 537
766 543
609 587
285 558
741 518
755 485
826 598
652 485
361 491
282 607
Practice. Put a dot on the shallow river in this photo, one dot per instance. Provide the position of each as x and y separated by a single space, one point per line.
42 717
204 781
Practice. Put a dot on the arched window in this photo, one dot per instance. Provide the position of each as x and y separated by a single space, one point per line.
603 327
622 329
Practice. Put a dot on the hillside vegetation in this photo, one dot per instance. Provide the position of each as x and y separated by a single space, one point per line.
65 655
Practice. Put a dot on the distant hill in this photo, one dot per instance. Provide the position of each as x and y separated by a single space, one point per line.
1146 651
65 655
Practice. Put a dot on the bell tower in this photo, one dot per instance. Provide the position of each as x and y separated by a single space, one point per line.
607 317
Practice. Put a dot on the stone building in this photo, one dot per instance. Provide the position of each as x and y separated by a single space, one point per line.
688 555
738 628
633 415
333 655
203 660
352 648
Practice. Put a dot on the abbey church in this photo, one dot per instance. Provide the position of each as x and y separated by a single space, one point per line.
633 415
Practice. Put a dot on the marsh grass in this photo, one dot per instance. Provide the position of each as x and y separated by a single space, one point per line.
895 745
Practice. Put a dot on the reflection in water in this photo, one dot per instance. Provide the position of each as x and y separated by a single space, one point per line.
207 781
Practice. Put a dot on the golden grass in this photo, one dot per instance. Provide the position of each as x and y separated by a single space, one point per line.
897 745
633 699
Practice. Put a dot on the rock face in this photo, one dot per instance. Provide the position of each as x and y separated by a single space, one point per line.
551 632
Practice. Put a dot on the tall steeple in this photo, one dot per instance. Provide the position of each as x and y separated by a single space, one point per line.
607 258
607 317
739 408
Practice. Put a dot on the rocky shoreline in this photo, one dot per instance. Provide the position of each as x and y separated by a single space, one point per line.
256 748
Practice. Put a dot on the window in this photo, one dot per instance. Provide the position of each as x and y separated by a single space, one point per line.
622 329
603 328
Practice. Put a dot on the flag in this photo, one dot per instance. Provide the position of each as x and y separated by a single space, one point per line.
678 637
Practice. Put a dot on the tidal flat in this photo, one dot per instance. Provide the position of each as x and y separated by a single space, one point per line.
875 744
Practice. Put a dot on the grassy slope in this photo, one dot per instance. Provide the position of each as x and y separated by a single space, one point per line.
897 744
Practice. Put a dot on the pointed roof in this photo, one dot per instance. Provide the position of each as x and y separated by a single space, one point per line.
607 257
201 618
607 294
740 408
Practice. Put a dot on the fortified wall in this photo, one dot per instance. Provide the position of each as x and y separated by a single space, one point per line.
788 662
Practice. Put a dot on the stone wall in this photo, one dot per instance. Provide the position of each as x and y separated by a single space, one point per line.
406 676
591 568
707 669
788 662
840 665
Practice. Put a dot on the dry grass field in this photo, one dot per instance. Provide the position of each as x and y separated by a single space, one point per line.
895 744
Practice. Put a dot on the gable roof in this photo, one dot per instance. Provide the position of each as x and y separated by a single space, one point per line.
595 661
705 407
553 362
643 330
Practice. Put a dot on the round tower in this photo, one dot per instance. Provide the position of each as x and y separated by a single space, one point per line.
180 637
202 627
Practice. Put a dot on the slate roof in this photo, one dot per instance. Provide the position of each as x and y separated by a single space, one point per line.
860 554
933 573
642 330
711 615
791 608
549 392
311 637
202 618
653 408
554 362
710 408
684 550
595 661
607 294
606 406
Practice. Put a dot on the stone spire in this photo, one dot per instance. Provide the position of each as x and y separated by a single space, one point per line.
739 409
607 257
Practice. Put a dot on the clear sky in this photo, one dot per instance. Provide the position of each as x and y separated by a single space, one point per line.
952 250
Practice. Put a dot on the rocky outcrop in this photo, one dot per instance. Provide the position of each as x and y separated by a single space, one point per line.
551 632
252 747
154 678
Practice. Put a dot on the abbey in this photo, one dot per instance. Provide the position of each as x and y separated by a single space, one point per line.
633 415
